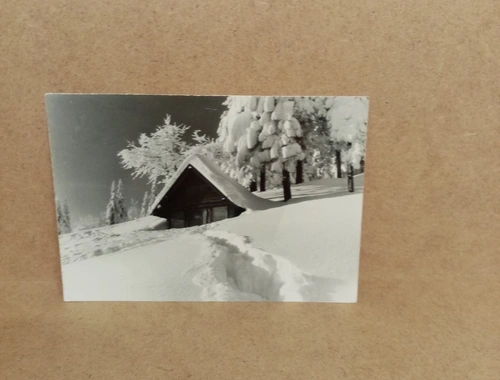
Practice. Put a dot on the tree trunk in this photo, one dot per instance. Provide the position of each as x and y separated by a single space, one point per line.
350 174
253 186
287 190
299 172
350 178
263 178
338 163
362 165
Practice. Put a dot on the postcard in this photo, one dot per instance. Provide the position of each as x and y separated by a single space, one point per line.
208 198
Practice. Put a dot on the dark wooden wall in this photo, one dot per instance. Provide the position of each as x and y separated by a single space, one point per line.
193 191
190 191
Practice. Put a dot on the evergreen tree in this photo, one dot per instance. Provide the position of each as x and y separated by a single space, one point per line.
280 139
60 217
288 135
67 216
121 212
145 205
347 117
207 147
315 140
63 217
237 140
214 150
111 211
152 195
133 210
261 131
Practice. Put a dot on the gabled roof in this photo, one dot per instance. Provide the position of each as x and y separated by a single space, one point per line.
220 180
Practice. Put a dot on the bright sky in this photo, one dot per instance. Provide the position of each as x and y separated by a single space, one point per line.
87 131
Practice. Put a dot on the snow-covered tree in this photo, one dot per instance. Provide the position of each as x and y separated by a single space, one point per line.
262 132
207 147
303 129
67 216
59 216
153 192
347 117
158 155
315 140
145 205
63 217
133 210
280 138
237 134
115 210
121 210
111 209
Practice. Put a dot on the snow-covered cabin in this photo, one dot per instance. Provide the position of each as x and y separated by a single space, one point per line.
200 192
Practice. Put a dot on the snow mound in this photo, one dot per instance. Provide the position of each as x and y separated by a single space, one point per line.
226 185
149 223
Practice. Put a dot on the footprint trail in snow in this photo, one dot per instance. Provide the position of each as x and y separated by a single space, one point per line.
229 268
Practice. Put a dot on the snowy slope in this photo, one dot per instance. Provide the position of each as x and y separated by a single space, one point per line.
302 251
226 185
85 244
150 273
321 237
315 189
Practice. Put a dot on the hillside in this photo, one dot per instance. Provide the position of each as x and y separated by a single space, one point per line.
304 250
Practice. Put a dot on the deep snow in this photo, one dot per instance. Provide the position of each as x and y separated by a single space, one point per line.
306 250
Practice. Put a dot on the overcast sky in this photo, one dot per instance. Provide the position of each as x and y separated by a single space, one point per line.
87 131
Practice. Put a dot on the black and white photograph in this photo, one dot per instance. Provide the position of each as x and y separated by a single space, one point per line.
208 198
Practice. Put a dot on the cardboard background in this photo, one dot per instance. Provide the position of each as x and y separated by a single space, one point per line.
429 301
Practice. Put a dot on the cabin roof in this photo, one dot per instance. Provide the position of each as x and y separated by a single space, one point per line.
231 189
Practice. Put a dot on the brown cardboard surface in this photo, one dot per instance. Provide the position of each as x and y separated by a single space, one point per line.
429 301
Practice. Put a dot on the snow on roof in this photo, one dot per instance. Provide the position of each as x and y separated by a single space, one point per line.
226 185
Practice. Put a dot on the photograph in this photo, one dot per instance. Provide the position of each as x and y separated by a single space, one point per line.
208 198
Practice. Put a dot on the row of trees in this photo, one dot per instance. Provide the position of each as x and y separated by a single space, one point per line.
264 142
118 210
115 210
299 138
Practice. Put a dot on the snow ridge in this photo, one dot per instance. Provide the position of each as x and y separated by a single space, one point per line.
230 269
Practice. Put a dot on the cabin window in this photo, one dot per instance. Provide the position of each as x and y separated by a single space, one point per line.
195 217
177 219
219 213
